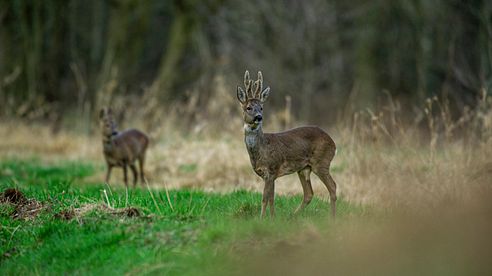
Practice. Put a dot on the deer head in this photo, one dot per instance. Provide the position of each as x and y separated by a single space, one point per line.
106 121
252 101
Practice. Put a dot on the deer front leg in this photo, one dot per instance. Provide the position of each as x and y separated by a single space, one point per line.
268 191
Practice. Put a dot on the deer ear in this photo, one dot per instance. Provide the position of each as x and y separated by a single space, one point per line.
241 96
264 94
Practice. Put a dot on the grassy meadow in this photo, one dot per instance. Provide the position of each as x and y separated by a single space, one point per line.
409 203
66 225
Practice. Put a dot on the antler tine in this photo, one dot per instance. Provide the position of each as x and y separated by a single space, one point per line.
259 85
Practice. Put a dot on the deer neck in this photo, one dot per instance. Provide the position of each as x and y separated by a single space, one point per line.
254 139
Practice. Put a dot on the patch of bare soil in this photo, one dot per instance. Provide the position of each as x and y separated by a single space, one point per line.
12 195
25 208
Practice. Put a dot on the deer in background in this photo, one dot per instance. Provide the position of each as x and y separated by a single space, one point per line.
122 149
272 155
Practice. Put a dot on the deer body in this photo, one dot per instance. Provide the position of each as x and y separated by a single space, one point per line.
287 152
273 155
123 149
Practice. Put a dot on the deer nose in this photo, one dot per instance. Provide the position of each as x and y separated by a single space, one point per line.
258 118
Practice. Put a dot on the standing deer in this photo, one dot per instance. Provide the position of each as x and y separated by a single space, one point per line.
122 149
273 155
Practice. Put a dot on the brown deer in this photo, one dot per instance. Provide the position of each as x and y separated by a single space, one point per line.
272 155
122 149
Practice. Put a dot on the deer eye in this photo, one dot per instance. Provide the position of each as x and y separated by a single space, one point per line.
248 108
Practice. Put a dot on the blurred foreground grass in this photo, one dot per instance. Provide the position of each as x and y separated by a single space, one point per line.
89 228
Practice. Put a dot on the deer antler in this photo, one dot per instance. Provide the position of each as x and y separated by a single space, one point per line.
247 84
246 78
259 85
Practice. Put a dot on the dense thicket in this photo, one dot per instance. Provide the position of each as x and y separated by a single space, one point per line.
328 55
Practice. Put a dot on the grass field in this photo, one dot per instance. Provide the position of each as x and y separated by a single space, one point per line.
71 229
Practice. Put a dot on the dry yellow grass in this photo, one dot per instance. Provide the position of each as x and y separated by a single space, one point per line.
380 160
20 140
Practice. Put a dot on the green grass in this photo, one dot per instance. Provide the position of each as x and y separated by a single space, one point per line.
203 233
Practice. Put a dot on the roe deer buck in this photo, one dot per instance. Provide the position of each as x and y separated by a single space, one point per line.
122 149
272 155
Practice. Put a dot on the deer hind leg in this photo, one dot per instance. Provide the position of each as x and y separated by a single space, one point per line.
141 162
125 174
108 173
304 176
324 175
135 175
271 201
